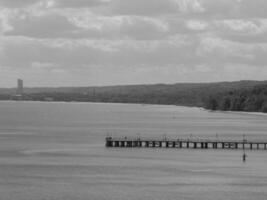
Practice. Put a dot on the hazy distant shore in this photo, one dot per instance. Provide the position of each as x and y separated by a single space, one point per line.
248 96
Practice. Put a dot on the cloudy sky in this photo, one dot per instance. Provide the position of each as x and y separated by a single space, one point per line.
107 42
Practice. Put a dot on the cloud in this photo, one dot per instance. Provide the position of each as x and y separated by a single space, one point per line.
16 3
179 50
153 7
254 26
214 50
79 3
85 25
147 40
80 54
4 24
243 30
253 8
135 27
44 26
197 25
234 8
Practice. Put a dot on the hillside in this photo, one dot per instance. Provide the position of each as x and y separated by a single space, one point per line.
188 94
245 99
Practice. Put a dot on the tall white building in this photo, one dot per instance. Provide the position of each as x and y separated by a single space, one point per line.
20 87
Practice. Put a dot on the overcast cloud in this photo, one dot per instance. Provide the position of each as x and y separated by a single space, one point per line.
107 42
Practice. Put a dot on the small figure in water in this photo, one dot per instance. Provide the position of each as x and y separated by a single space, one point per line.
244 157
244 152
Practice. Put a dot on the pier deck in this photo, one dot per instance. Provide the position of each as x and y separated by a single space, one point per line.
125 142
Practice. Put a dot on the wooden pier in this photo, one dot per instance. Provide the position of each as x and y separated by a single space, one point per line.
125 142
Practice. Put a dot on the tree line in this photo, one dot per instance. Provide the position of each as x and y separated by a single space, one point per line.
249 100
234 96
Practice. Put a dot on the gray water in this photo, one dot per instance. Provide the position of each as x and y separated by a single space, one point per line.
53 151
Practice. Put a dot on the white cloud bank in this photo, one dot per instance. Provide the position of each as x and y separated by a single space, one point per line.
103 42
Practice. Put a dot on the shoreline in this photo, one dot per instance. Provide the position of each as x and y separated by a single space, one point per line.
235 112
141 104
98 102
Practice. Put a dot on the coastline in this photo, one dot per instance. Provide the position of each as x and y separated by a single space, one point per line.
236 112
248 113
141 104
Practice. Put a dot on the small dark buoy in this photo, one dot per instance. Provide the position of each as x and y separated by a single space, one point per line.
244 152
244 157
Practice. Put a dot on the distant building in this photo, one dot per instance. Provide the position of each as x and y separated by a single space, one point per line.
20 87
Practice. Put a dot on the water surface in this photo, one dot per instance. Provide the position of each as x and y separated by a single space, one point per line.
56 151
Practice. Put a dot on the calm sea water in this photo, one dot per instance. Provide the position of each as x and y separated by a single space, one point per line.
54 151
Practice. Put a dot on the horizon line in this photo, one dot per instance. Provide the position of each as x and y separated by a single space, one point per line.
137 84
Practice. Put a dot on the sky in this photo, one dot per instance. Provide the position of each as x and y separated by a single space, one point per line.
118 42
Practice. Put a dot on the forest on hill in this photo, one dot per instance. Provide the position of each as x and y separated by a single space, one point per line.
249 100
236 96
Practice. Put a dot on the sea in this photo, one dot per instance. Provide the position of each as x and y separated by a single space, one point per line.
56 151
